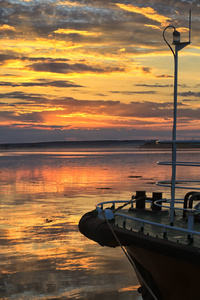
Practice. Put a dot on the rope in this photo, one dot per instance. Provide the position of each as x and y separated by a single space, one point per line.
130 259
127 203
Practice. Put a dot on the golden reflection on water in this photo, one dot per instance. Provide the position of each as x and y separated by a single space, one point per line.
56 177
43 196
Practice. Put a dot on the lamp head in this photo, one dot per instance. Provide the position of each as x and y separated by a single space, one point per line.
176 37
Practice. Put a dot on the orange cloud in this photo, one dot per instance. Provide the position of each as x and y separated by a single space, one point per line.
68 3
7 27
182 29
153 26
81 32
148 12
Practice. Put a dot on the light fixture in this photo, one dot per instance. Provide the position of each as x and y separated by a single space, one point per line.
176 37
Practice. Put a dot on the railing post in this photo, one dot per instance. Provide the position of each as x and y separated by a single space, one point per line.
165 233
99 210
124 222
142 227
190 214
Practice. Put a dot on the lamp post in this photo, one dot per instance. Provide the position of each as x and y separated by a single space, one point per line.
178 46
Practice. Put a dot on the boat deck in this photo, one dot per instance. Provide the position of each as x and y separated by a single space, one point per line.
140 220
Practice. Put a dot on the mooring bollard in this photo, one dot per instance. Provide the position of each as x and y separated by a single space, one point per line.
140 199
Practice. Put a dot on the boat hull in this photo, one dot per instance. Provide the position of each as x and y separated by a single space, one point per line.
169 277
171 270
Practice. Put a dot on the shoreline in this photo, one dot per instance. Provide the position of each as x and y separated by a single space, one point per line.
99 144
75 144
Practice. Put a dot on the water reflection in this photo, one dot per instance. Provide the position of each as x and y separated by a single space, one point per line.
43 196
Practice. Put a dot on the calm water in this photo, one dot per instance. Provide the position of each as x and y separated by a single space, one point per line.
43 196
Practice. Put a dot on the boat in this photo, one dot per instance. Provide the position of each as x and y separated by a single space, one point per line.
159 236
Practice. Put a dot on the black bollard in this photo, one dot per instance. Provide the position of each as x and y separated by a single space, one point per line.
140 199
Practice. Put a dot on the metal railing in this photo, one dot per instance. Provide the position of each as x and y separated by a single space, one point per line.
189 231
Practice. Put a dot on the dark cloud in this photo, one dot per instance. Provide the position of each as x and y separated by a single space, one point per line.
7 57
145 70
66 68
42 82
38 126
17 56
69 105
190 94
24 96
148 70
154 85
90 108
189 100
183 85
157 85
43 59
101 95
164 76
133 92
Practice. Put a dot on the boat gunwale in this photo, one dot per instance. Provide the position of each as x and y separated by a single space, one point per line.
190 232
101 233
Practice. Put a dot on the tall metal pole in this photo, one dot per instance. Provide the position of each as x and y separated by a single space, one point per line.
173 184
178 46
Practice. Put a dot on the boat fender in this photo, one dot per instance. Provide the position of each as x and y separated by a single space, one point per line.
108 214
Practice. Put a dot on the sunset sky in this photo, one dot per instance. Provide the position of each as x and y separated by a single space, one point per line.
96 70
